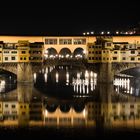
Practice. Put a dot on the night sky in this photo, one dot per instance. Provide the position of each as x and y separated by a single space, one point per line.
67 21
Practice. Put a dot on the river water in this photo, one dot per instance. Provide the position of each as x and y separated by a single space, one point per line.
70 97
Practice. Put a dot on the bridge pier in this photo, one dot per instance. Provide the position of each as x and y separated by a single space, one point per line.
24 73
105 73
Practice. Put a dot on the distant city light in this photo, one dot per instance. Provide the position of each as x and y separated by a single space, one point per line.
102 33
108 32
84 33
87 33
117 32
92 32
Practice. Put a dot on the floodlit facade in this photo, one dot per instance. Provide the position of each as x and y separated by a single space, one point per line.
104 50
96 49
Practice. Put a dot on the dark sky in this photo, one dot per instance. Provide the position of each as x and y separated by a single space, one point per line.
67 21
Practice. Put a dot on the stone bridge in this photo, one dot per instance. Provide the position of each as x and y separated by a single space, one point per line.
105 71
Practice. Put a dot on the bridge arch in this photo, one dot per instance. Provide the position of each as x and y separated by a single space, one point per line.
9 69
50 52
51 108
122 67
66 52
79 52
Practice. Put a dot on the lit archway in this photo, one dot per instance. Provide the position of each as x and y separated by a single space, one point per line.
51 53
65 53
79 53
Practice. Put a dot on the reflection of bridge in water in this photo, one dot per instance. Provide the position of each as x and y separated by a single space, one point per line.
27 106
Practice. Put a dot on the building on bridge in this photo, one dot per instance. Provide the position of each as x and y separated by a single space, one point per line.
105 50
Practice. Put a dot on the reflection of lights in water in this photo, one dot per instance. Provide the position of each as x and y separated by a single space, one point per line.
91 74
34 77
131 90
86 82
84 112
78 75
95 75
57 76
86 74
46 112
124 83
74 87
2 85
87 89
91 80
45 76
46 69
80 88
83 87
92 87
67 77
77 87
43 70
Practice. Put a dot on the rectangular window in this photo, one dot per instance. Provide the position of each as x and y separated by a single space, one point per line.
6 58
79 41
13 106
65 41
24 58
13 58
20 58
108 44
131 106
6 51
124 58
6 105
14 52
115 52
114 58
89 58
132 58
23 52
50 41
133 52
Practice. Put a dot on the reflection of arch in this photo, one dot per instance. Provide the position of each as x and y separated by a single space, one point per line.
51 51
65 51
51 108
78 107
78 51
65 108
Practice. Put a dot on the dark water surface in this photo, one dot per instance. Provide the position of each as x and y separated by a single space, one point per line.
70 103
